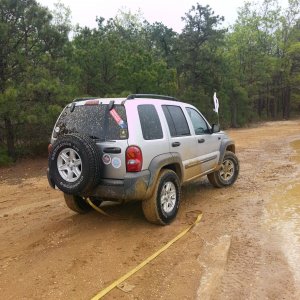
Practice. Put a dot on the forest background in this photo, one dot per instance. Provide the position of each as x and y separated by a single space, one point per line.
45 62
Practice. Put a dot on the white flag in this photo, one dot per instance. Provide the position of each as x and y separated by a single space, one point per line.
216 102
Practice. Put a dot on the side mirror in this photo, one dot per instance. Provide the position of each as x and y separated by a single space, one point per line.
215 128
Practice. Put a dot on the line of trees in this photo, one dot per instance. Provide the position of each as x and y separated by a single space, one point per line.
254 66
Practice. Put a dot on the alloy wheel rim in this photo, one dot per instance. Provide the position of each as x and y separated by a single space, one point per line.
69 165
168 197
227 170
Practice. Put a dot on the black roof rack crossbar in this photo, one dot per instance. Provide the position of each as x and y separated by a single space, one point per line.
151 96
85 98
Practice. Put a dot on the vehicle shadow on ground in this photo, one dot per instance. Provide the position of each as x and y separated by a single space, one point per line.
132 212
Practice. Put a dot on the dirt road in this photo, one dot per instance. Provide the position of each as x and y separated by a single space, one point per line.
247 245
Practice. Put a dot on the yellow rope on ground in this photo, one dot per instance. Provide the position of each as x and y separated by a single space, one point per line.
98 209
145 262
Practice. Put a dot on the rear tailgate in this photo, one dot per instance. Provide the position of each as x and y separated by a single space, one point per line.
106 124
113 164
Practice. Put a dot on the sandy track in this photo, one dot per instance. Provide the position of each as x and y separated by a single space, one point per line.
246 246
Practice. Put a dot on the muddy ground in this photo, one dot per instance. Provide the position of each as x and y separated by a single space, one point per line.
247 245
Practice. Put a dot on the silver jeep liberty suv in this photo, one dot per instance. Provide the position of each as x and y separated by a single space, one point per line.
143 147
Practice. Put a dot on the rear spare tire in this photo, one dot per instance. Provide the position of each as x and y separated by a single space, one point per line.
74 164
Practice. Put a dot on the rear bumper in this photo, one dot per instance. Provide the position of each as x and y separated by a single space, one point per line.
134 186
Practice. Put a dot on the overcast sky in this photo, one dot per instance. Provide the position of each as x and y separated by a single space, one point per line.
169 12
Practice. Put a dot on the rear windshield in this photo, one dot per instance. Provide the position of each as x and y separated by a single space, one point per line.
94 121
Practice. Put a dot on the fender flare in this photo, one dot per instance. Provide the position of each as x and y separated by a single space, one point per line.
161 161
224 145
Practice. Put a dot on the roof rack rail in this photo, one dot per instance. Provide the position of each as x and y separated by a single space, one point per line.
151 96
85 98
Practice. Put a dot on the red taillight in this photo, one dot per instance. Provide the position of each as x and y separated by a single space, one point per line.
49 148
134 159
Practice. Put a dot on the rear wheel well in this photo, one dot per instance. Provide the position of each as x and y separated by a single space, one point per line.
176 168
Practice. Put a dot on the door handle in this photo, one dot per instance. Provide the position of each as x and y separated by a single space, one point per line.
200 141
112 150
175 144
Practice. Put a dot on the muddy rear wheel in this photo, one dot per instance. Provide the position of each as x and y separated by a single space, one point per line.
77 204
163 206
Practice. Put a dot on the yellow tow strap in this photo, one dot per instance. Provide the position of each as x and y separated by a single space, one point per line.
98 209
146 261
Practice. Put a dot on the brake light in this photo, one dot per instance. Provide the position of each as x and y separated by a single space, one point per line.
134 159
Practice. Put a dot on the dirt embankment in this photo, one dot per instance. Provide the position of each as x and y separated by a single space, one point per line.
246 246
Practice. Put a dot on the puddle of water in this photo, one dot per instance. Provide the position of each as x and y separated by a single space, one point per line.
285 207
283 216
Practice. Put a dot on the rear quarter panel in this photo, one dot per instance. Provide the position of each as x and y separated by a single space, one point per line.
150 148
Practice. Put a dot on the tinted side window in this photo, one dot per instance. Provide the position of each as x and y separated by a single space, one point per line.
150 123
169 121
176 120
199 123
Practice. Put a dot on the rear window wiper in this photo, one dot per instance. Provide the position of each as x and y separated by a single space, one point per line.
93 137
101 139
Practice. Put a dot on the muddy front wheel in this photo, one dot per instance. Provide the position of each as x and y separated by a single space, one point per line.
228 172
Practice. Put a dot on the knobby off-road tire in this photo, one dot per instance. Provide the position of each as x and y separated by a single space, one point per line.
74 164
228 172
163 206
